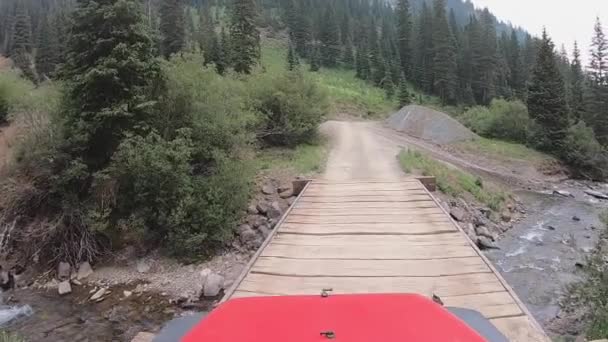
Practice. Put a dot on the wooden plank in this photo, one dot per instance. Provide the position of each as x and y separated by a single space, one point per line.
399 219
369 228
444 286
387 252
365 211
369 268
228 293
362 182
367 205
519 329
364 193
405 241
348 199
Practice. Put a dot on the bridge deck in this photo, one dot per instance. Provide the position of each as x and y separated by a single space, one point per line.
381 237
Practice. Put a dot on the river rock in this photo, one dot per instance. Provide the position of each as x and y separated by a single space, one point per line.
596 194
274 211
127 294
64 287
485 243
505 216
63 270
483 231
262 207
458 214
84 270
213 285
249 237
265 230
286 193
143 266
252 209
205 272
97 295
576 218
269 189
563 193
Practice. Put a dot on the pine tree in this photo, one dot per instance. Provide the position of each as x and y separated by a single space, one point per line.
516 80
46 56
172 27
348 58
22 44
216 53
292 58
423 68
315 59
245 37
404 93
577 92
597 104
108 38
206 33
484 60
547 98
444 61
330 37
387 81
404 29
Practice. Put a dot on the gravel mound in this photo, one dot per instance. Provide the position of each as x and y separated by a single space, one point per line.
429 124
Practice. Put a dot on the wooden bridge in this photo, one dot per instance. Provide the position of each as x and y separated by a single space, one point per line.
381 237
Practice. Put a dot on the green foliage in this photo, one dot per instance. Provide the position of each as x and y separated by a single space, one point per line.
292 106
160 198
404 27
9 337
451 181
292 58
444 52
547 99
244 35
587 157
172 26
404 93
507 120
22 43
109 70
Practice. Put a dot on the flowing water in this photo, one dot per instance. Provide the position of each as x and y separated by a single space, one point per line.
543 253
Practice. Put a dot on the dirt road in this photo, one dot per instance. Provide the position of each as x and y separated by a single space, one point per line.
358 152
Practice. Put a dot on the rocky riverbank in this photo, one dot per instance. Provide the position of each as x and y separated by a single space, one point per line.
131 292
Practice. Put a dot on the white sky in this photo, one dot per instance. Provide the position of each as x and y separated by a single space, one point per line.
565 20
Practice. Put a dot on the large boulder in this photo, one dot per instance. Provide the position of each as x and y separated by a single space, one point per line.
458 214
84 270
64 287
429 124
63 271
275 211
213 285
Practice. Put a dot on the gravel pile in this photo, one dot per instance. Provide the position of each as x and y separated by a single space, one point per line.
429 124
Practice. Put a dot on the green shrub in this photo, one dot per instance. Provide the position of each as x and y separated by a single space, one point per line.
292 107
506 120
157 196
584 154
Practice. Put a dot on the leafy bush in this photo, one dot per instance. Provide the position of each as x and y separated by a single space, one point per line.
292 107
156 196
584 154
507 120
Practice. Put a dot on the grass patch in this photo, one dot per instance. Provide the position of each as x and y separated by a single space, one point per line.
347 93
305 159
451 181
494 148
8 337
